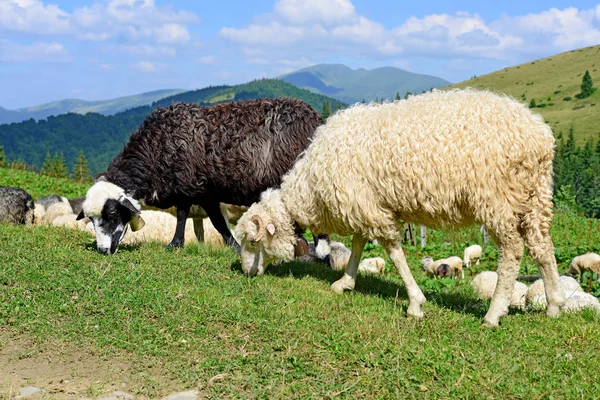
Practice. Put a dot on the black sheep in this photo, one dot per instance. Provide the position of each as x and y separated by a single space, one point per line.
186 154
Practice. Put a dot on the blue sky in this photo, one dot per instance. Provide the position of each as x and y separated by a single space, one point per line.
99 49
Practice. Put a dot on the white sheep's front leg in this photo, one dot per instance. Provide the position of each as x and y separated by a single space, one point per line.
415 295
348 281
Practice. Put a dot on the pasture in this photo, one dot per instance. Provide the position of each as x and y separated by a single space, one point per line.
147 321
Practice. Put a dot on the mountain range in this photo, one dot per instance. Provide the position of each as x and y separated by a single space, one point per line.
355 85
104 107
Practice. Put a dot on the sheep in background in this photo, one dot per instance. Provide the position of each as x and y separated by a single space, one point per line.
42 204
56 210
443 271
472 253
380 173
536 296
584 262
484 285
453 262
70 221
16 206
77 205
336 255
187 154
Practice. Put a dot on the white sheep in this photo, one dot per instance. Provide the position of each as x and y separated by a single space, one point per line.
536 296
472 253
380 176
454 262
484 285
340 256
70 221
584 262
55 210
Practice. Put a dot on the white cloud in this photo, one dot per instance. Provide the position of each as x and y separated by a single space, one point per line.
207 60
38 51
32 16
334 28
145 66
322 11
172 34
106 67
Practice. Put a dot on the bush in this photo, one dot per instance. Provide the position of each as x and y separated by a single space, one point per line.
568 98
542 105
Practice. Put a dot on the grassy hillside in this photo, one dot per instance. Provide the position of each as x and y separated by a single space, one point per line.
549 81
102 137
354 85
41 185
190 318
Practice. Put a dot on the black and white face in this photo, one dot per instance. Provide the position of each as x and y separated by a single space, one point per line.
110 211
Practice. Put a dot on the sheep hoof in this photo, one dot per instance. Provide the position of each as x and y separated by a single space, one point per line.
490 324
553 311
174 245
345 283
415 311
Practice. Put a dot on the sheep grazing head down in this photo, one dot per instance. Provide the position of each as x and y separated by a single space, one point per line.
267 235
110 210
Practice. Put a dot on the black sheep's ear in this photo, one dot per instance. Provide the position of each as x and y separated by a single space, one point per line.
136 222
80 216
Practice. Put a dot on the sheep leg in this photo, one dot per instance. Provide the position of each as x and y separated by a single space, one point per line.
541 250
348 281
199 229
510 253
415 295
183 210
221 225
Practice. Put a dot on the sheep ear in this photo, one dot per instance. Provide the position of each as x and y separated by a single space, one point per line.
301 248
80 216
271 229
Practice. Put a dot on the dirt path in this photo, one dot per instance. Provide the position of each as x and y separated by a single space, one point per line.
66 371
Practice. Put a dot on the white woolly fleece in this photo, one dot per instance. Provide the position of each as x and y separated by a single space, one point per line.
99 193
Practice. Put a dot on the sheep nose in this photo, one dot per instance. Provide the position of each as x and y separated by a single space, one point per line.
104 250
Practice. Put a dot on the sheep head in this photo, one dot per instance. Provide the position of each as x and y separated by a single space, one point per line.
111 211
266 235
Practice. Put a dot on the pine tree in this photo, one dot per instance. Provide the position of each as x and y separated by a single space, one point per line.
326 111
3 162
407 94
532 104
397 95
47 166
81 172
60 166
587 86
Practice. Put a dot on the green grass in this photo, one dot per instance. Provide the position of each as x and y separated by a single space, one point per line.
38 185
554 77
284 334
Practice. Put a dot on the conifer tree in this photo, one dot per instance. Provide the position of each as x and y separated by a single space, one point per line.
81 172
47 166
326 110
3 162
587 86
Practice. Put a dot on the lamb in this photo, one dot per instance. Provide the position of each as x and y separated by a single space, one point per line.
186 154
380 176
454 263
16 206
484 285
472 253
584 262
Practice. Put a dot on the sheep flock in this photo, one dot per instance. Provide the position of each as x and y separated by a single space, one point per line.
256 175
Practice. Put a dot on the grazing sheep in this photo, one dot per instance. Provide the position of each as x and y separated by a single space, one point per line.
42 204
16 206
584 262
536 296
379 175
55 210
456 266
484 285
186 154
472 253
443 271
70 221
77 205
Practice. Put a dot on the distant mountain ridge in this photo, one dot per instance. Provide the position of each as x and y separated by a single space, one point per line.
104 107
354 85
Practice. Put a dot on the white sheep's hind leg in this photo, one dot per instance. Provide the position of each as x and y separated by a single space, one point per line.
199 229
348 281
510 253
415 295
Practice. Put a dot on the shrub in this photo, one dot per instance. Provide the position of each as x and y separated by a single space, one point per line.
568 98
